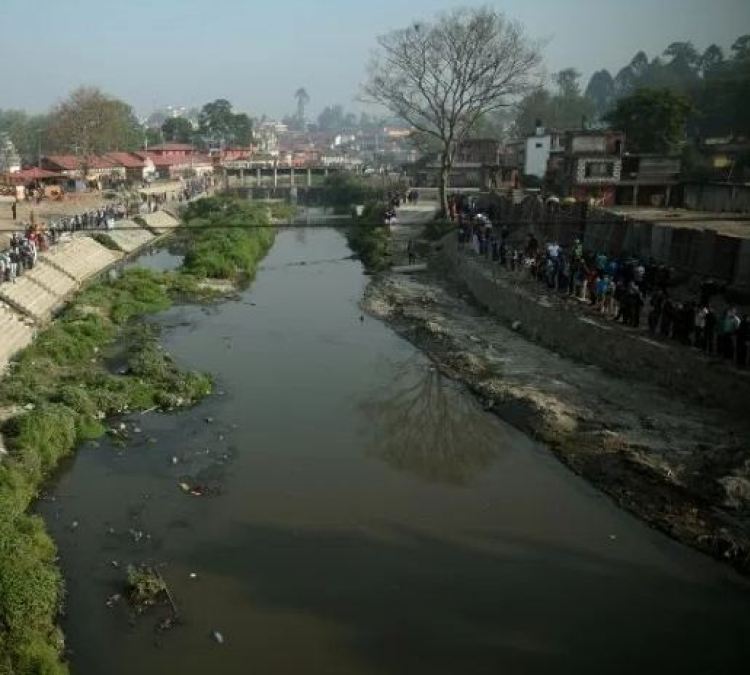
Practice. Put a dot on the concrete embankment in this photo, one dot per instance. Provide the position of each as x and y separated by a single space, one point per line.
32 301
622 352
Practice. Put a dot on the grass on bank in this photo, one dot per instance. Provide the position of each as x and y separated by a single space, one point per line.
369 238
67 391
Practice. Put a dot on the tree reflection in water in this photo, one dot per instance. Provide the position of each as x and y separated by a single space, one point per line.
426 424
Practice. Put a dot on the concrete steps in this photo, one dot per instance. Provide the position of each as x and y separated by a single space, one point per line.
15 334
30 298
129 236
160 222
81 258
56 282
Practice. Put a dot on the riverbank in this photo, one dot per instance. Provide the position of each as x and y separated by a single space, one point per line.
96 362
679 466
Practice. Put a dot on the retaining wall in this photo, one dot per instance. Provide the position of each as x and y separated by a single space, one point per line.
623 353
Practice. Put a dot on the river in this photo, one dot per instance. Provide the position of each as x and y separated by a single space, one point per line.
364 515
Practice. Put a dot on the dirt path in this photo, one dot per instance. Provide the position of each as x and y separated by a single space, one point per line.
682 468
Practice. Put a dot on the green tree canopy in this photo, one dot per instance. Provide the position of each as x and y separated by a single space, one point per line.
653 120
218 122
177 130
91 122
564 108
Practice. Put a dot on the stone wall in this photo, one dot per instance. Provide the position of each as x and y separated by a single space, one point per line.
575 335
717 197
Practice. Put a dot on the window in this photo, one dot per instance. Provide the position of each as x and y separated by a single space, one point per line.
538 145
599 169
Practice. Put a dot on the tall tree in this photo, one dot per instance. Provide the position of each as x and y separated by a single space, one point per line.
303 98
567 82
564 109
219 123
741 47
442 76
28 133
601 91
177 130
332 118
653 120
711 60
89 122
683 53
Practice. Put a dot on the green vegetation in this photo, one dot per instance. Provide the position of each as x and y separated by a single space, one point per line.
368 238
653 120
65 388
145 586
226 238
342 191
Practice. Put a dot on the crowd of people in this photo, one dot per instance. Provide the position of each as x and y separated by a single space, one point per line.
620 288
34 238
25 245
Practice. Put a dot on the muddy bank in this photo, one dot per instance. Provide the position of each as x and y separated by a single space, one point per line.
680 467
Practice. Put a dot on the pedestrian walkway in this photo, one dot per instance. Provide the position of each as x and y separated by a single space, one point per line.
28 297
81 258
129 236
16 334
160 222
51 279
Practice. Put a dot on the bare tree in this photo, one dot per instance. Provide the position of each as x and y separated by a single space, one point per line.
441 77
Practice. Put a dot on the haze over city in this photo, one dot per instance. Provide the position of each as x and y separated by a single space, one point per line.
186 52
387 338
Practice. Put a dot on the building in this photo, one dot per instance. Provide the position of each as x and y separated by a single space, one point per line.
648 180
724 157
91 168
477 163
590 167
535 152
138 167
179 165
171 150
10 160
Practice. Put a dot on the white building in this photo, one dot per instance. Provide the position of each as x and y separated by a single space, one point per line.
10 160
537 150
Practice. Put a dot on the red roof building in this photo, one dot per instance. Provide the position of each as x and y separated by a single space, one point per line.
172 150
34 175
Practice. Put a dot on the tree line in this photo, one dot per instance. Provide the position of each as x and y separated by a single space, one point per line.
90 122
659 102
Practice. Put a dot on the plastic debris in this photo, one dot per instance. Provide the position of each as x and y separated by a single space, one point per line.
218 637
112 600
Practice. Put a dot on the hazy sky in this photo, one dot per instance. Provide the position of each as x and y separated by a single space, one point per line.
257 53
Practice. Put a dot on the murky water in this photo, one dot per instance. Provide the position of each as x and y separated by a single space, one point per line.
365 516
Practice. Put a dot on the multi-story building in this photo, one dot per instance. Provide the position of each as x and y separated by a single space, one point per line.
590 167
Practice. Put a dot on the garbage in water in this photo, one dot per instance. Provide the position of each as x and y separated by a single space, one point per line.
218 637
112 600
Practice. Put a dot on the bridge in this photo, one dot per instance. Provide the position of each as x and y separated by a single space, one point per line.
246 174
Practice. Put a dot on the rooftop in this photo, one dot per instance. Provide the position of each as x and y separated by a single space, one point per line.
730 224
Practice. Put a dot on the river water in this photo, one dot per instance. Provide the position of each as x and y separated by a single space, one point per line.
363 515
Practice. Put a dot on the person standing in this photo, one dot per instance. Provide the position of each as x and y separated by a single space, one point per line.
13 208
